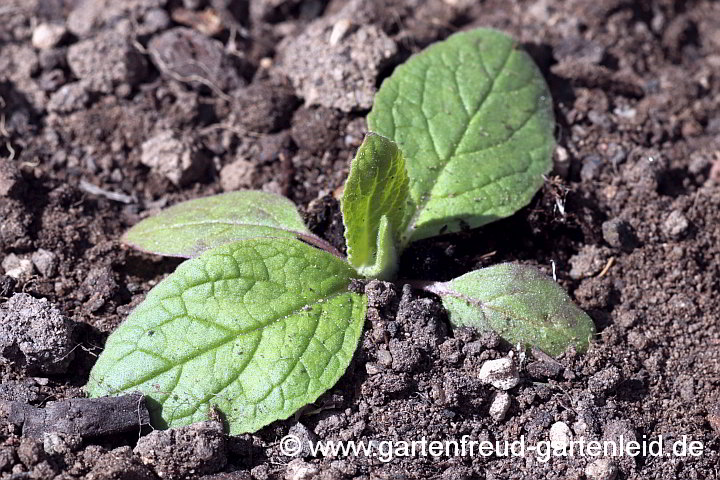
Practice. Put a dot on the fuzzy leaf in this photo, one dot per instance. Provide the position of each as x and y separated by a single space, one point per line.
257 328
473 116
519 303
189 228
374 207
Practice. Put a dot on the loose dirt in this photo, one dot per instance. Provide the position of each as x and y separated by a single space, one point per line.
629 221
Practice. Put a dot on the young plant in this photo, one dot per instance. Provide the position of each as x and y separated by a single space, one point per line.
260 321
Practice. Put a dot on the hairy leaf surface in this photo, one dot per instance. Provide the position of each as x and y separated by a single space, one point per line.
257 328
519 303
473 117
189 228
374 207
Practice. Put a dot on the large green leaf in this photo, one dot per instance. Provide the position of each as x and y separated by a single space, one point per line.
189 228
374 207
521 304
257 328
473 117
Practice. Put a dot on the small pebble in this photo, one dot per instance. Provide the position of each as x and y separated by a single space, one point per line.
60 443
176 158
501 373
155 20
618 234
298 469
499 406
45 261
601 469
17 267
373 368
560 435
339 30
676 224
47 35
384 357
561 161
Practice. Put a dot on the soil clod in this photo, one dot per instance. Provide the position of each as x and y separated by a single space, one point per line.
185 452
34 336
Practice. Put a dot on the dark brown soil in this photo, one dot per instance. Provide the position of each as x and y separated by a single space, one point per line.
629 221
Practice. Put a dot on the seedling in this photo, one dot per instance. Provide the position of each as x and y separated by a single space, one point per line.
259 321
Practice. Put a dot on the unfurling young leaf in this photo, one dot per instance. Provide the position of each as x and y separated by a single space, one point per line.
374 207
519 303
189 228
473 117
257 328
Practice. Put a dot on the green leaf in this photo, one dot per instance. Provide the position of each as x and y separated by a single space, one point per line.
257 328
519 303
374 207
189 228
473 116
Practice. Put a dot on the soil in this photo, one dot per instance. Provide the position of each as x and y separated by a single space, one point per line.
224 95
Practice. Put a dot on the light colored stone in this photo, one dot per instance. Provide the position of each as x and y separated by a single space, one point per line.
499 406
299 469
47 35
501 373
373 368
17 267
601 469
175 158
676 224
560 435
339 30
45 261
384 357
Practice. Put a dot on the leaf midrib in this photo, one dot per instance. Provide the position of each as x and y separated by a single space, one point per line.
426 197
219 344
444 288
220 222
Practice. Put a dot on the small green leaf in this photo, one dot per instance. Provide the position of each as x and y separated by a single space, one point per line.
473 116
257 328
374 207
189 228
519 303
